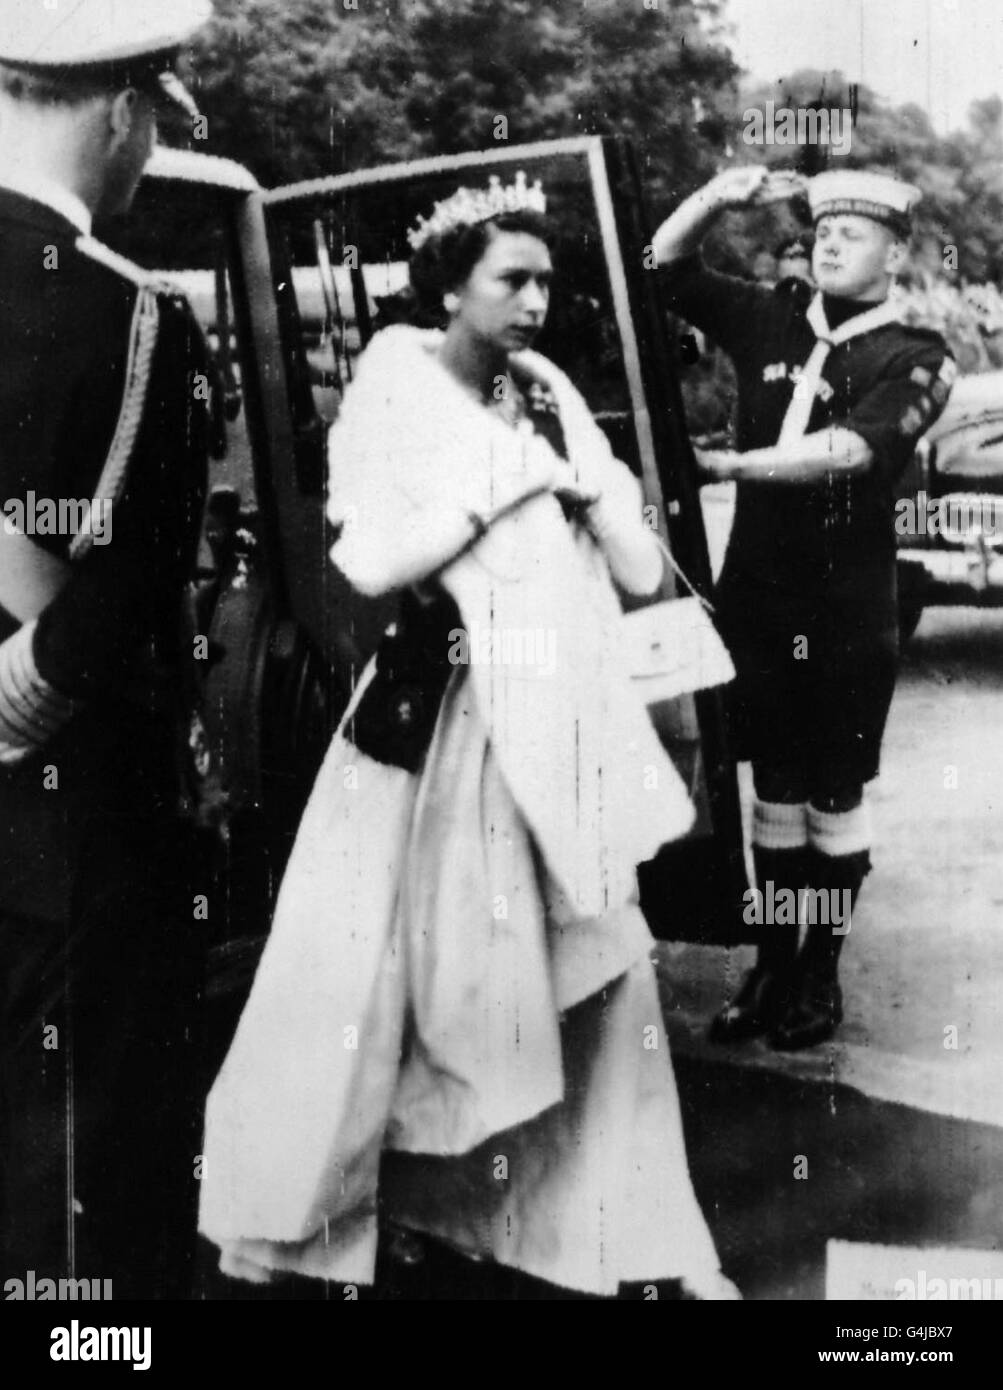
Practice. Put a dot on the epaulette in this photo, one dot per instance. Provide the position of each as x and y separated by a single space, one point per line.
129 270
143 335
166 289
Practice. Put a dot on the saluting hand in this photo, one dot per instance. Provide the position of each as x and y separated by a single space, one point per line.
754 185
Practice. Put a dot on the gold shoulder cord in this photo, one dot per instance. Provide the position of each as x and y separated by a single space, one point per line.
142 344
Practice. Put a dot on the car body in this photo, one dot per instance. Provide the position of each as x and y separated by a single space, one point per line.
949 515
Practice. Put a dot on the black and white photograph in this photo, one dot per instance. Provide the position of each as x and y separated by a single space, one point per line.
501 663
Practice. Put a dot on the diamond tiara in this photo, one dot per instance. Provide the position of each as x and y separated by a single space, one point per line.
468 206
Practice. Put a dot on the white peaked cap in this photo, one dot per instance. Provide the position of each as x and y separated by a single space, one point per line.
878 196
78 33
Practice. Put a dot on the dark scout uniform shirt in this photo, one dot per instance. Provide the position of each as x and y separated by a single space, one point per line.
836 537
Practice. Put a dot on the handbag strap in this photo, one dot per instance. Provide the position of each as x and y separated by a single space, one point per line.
677 569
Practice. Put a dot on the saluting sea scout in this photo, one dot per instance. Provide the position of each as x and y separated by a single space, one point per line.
833 394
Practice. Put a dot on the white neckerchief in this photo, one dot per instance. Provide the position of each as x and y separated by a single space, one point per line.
54 195
798 412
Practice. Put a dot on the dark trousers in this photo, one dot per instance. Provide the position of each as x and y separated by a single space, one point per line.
99 1103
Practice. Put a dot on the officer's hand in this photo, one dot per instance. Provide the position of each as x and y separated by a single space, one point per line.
13 753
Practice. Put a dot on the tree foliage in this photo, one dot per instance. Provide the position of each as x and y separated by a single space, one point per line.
296 89
301 88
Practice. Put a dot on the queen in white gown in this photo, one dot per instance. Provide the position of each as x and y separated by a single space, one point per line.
455 1024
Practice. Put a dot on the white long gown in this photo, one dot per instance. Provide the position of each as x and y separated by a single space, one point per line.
434 1002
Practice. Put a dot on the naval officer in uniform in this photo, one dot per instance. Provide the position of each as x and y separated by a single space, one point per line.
833 394
99 406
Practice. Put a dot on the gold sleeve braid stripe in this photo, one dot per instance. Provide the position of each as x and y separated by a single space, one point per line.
139 363
31 710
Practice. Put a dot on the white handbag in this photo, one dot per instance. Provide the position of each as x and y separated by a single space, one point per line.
673 647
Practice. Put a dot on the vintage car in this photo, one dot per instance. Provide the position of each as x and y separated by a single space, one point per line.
949 516
290 284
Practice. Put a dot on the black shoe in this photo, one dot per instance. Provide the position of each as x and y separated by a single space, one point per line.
765 992
756 1008
813 1017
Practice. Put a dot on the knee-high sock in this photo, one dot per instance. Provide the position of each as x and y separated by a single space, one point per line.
838 861
779 849
777 825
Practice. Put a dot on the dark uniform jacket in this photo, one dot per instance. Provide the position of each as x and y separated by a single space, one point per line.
98 399
807 599
888 386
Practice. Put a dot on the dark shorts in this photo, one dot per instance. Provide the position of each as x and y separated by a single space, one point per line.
815 680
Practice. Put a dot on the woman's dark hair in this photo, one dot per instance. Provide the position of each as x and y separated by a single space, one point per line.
443 262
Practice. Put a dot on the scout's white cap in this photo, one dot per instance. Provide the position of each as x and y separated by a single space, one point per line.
77 33
878 196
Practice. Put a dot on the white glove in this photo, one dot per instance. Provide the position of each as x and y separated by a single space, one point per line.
631 549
